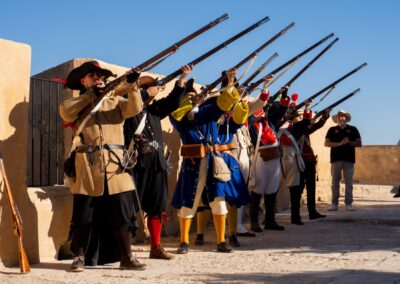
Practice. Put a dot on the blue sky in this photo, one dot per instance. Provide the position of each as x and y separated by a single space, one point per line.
128 32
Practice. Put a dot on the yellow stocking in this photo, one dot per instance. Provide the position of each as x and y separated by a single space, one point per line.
202 220
219 223
185 227
232 219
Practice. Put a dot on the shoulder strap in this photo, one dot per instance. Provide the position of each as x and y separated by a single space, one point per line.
139 130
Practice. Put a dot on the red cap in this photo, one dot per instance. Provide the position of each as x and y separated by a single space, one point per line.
285 101
307 114
264 96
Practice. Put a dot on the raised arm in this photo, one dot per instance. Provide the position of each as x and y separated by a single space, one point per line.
171 102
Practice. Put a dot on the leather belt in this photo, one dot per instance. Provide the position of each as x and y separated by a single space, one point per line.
190 151
90 149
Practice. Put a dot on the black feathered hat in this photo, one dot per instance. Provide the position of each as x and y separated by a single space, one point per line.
75 76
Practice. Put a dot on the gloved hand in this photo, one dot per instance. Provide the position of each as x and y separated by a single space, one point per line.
283 91
326 114
132 75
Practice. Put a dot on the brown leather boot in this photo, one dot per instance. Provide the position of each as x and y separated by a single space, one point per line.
131 263
160 253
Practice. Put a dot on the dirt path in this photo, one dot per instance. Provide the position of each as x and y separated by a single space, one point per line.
346 247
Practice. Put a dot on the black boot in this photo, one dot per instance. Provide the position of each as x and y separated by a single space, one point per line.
270 223
128 261
315 215
199 240
254 209
79 244
295 197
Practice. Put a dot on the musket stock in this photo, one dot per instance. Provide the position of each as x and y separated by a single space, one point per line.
17 222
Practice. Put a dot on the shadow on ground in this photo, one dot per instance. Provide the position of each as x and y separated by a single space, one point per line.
333 276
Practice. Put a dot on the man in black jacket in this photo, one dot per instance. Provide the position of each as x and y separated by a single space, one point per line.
150 172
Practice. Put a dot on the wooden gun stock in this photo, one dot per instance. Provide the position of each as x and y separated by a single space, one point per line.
23 259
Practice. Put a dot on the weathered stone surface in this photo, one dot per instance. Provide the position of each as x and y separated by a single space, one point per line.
15 64
378 164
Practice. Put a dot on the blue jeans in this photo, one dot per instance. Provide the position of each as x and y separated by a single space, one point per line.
336 172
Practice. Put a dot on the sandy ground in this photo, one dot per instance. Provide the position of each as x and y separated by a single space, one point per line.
346 247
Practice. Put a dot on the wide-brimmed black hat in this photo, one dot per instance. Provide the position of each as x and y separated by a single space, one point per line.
190 86
75 76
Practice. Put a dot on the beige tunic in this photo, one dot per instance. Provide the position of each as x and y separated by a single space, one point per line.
104 127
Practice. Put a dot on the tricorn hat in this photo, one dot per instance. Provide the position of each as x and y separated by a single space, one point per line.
75 76
341 112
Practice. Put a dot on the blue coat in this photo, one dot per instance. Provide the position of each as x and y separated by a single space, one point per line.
235 190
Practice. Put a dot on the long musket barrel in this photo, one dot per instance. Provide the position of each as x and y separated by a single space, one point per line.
254 85
23 259
111 85
300 105
336 103
304 69
176 45
211 86
176 73
259 69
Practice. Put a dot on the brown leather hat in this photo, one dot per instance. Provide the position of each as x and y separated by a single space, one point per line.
75 76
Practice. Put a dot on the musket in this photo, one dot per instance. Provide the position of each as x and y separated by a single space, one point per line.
318 114
17 221
173 48
259 70
153 61
254 85
178 72
211 86
333 84
298 74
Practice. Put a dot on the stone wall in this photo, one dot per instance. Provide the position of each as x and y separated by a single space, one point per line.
378 164
15 64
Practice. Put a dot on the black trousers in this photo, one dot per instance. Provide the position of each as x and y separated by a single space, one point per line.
95 220
308 179
152 184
